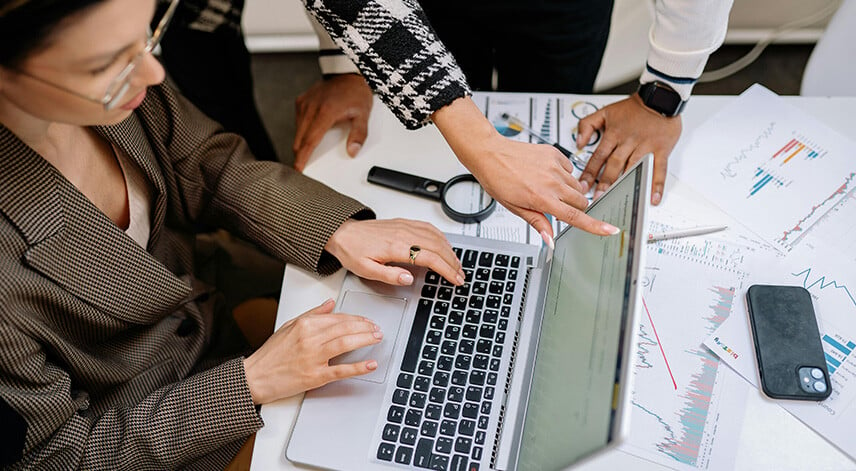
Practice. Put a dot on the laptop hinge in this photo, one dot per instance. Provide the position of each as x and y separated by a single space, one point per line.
520 372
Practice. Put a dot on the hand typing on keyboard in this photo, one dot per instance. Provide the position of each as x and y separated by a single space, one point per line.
295 358
365 247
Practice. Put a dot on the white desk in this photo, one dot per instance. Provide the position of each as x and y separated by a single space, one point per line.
770 439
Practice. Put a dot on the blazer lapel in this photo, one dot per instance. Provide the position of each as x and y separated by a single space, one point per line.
130 137
76 245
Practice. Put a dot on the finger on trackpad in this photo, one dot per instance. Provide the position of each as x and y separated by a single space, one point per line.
386 312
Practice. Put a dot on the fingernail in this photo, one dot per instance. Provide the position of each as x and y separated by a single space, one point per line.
612 230
372 365
655 198
579 142
459 279
374 326
405 278
548 240
354 148
585 186
598 193
377 334
328 301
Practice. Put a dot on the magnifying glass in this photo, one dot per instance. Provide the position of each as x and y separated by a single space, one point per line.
462 197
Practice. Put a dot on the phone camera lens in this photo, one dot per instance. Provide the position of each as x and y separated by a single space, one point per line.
816 373
820 386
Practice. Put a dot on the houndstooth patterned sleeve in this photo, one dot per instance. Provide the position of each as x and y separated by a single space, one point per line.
397 52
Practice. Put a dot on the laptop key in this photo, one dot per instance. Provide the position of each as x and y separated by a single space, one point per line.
453 332
485 408
486 259
439 462
385 451
503 324
417 332
441 378
403 455
467 427
429 352
470 258
505 311
395 414
455 394
404 380
497 351
418 400
400 396
483 274
487 331
459 377
432 277
476 302
483 422
434 337
422 383
445 293
458 252
422 456
408 435
447 428
499 274
480 288
466 346
477 453
480 362
473 316
452 410
457 317
433 411
488 393
437 322
462 362
443 445
441 307
471 410
463 445
390 433
413 418
480 437
458 463
491 315
429 291
448 347
474 393
437 395
509 286
429 428
494 364
463 290
512 274
426 368
502 260
470 331
445 362
492 378
515 262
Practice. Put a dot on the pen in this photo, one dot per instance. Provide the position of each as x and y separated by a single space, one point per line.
517 123
694 231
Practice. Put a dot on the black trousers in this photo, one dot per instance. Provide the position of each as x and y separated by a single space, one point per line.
535 46
212 69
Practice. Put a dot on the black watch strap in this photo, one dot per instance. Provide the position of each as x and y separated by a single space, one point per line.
661 98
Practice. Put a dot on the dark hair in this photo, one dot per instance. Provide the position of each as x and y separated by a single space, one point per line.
27 25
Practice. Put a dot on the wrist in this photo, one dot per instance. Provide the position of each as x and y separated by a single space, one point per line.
466 130
334 245
661 98
252 381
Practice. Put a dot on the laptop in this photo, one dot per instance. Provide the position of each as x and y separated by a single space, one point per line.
529 365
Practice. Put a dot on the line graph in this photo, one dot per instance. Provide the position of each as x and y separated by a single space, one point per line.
659 344
823 283
812 217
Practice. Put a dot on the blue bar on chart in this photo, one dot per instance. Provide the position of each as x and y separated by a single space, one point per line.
841 349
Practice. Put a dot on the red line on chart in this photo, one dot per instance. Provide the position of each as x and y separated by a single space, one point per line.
659 344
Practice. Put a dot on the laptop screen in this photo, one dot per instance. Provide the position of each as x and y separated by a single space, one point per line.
571 404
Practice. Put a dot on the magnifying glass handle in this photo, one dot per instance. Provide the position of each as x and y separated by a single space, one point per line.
406 182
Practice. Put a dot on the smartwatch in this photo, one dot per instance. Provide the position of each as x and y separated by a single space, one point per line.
661 98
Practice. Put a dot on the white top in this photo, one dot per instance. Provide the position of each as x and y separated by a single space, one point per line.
684 34
139 193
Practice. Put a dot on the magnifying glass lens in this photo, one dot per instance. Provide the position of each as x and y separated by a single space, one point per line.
467 197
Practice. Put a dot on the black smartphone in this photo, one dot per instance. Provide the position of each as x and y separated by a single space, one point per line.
791 361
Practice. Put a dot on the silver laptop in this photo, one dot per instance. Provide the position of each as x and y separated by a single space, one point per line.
526 366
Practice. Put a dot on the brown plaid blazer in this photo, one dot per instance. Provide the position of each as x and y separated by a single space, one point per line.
105 347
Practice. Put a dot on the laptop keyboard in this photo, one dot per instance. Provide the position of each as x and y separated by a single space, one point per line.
447 383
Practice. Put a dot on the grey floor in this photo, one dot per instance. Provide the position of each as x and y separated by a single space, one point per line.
280 78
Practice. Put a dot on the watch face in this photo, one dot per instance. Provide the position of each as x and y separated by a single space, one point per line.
661 99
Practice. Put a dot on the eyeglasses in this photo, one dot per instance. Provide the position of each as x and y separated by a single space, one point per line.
119 86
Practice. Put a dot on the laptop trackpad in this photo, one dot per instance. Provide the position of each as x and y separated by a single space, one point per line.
386 312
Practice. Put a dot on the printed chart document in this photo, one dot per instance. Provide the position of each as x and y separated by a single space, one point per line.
688 406
787 177
832 285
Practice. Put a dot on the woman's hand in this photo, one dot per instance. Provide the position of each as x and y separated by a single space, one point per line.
528 179
296 357
630 130
365 247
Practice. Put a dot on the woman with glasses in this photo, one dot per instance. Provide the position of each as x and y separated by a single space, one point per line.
113 354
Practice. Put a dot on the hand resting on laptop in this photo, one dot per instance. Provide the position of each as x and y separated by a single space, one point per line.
309 341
